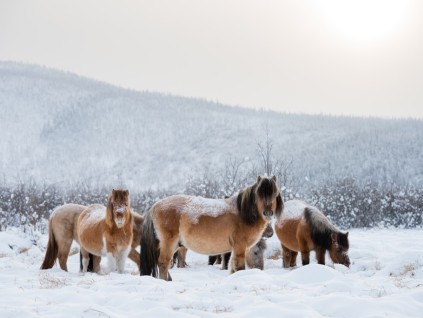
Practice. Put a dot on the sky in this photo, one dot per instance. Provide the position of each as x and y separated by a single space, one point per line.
361 57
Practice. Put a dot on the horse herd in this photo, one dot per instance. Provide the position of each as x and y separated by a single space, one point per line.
231 230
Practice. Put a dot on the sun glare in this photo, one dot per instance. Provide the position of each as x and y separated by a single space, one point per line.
365 20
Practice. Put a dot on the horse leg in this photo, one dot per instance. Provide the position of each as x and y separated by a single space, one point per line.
305 252
225 260
212 259
305 258
63 254
85 259
320 255
111 262
121 259
166 253
134 256
182 253
96 263
293 262
286 256
237 259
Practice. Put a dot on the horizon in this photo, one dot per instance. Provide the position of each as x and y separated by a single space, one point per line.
355 59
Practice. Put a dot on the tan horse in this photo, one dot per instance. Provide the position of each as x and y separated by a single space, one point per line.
207 226
303 228
107 231
62 231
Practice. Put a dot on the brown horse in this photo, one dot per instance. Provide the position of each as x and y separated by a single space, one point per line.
254 257
107 231
62 231
303 228
207 226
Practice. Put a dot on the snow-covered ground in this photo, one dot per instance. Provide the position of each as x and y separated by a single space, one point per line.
385 280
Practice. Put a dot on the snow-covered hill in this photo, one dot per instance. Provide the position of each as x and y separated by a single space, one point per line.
60 128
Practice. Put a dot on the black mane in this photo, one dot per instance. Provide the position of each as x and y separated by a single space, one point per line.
321 235
246 204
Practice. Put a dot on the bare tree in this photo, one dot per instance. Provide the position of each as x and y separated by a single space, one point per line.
281 167
234 179
265 152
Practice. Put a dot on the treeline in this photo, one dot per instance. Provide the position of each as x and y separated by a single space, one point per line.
29 205
345 202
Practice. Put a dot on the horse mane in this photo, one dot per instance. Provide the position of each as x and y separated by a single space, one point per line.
245 203
322 230
279 205
116 196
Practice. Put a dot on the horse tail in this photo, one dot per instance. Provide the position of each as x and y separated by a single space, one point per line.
149 247
52 248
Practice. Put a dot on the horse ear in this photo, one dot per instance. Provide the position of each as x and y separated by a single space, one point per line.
274 178
334 237
258 178
346 234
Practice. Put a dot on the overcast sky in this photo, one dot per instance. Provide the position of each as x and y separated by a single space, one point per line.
358 57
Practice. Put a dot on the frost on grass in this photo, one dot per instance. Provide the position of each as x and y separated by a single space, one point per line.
48 281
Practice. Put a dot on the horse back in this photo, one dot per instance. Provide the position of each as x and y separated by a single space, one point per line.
203 225
63 222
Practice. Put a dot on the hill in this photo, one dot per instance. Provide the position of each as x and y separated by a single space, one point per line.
60 128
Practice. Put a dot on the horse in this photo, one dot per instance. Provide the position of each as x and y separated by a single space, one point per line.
303 228
254 257
179 257
207 226
107 231
62 231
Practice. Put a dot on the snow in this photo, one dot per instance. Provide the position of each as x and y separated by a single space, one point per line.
96 214
385 280
293 208
199 206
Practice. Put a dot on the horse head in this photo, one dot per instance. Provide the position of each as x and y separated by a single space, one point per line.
268 197
339 248
118 208
262 199
268 231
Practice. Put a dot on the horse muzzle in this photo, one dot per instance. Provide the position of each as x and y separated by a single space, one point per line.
268 213
120 221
